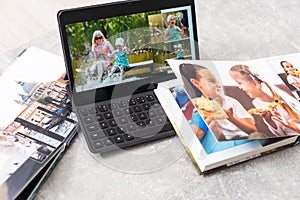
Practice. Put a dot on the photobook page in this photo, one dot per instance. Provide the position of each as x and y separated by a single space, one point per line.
238 100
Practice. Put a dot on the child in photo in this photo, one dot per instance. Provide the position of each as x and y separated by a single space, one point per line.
199 126
235 123
179 51
121 58
172 32
293 75
279 111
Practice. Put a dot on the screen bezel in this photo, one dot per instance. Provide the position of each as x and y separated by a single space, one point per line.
95 12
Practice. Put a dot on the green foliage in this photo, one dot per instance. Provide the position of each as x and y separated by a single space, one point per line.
132 28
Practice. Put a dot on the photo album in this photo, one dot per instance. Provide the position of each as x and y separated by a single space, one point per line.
232 111
37 122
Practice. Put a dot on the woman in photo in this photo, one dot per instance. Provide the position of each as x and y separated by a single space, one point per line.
102 50
236 122
279 111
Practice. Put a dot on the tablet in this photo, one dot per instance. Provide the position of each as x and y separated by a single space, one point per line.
115 56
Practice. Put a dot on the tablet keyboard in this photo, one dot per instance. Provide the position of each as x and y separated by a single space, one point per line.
123 122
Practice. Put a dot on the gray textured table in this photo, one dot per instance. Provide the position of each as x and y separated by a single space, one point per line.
228 30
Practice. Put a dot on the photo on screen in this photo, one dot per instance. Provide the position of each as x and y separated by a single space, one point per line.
129 48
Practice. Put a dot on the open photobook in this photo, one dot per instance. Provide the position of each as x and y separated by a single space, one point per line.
36 121
226 112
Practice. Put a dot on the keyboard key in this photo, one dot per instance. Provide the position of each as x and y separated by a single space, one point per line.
108 141
108 115
103 124
132 102
118 139
140 100
122 104
155 104
99 117
142 116
150 97
122 120
92 110
112 123
92 127
146 106
131 127
137 108
98 144
160 119
133 117
88 119
152 113
97 135
83 112
150 122
141 124
128 111
128 137
111 131
121 129
103 108
112 106
117 113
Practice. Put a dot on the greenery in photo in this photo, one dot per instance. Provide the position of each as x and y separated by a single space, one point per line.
132 28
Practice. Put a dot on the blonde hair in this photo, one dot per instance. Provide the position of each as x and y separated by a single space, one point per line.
97 32
120 41
169 18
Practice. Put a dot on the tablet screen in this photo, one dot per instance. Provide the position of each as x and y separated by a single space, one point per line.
132 47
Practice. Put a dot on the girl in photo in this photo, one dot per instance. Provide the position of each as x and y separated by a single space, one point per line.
293 75
179 52
172 32
121 58
279 111
236 122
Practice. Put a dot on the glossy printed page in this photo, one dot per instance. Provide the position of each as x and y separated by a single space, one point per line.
240 100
